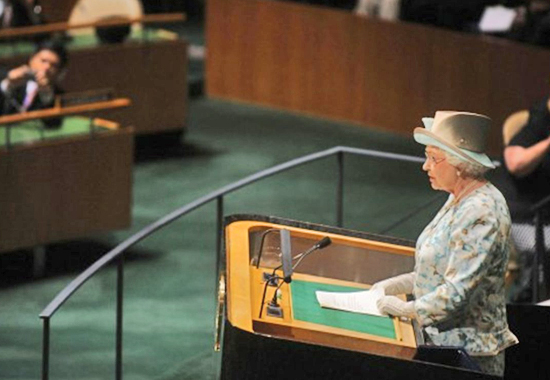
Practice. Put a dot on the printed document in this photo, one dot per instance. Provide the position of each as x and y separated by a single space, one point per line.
357 302
497 19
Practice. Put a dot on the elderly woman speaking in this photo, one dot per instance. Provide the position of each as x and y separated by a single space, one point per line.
461 256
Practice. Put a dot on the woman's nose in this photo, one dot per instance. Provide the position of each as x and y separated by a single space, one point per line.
425 166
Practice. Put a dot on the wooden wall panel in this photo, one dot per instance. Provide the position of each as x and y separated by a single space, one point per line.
153 75
65 189
330 63
57 10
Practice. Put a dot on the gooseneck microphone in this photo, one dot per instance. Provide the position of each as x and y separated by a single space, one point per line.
262 241
323 243
286 263
286 256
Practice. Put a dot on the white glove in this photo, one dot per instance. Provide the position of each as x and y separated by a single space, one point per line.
391 305
402 284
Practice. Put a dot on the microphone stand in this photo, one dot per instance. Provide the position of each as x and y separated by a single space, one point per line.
260 251
275 309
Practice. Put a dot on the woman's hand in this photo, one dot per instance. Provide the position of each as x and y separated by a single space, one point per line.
391 305
18 76
402 284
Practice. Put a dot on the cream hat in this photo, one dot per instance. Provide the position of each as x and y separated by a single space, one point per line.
462 134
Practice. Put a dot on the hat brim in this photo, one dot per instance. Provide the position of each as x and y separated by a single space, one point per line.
425 137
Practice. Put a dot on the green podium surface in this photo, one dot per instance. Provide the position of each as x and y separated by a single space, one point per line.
306 308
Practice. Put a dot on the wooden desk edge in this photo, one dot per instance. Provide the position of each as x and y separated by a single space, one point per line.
64 111
322 338
63 26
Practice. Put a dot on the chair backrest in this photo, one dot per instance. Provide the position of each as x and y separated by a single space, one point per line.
513 124
94 10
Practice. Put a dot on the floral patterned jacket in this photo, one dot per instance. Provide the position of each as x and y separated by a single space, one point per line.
461 259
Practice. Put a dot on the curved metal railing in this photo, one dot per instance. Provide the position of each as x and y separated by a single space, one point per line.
117 252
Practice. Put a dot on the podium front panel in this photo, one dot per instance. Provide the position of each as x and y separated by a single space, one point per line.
351 263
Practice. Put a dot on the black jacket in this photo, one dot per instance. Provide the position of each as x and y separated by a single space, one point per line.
10 103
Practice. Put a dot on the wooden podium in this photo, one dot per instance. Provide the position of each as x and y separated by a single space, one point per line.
307 341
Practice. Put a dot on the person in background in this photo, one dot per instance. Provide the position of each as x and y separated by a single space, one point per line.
384 9
527 180
461 257
527 157
34 85
16 13
459 15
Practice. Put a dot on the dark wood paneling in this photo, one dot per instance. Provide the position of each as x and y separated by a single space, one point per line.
153 75
331 63
65 189
57 10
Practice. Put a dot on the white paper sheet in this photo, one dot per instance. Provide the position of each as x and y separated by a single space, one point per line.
496 19
363 302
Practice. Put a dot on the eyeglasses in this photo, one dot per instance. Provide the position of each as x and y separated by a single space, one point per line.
432 160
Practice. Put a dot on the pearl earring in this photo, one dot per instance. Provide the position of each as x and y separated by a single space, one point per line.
458 173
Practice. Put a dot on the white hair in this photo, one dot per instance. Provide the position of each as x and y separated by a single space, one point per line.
467 168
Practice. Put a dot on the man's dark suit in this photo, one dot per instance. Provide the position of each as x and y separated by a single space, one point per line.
11 103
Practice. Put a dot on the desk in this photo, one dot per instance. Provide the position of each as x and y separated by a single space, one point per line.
151 71
64 184
31 132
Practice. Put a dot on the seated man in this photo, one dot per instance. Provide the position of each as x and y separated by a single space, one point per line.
33 86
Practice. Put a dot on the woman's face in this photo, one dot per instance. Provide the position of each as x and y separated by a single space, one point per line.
442 175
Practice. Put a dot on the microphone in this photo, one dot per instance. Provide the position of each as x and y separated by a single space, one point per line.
323 243
273 306
286 256
261 249
286 263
